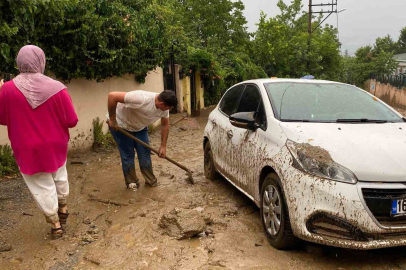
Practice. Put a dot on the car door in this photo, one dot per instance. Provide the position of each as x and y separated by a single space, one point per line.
221 133
246 143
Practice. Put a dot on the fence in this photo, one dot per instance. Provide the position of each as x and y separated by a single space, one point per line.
398 81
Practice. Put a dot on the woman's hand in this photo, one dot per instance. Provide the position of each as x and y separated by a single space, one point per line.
1 83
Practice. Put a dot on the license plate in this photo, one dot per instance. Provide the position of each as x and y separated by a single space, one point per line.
398 207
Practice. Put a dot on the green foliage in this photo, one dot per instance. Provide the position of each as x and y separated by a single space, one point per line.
402 41
8 165
281 45
94 39
101 141
369 60
210 37
385 44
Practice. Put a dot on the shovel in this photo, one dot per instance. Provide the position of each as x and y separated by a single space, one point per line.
189 173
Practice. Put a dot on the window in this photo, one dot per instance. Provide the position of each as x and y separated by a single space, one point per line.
251 101
230 99
326 102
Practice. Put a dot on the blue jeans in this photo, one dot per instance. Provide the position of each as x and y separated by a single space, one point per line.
126 146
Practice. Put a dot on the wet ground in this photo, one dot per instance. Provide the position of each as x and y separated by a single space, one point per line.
111 227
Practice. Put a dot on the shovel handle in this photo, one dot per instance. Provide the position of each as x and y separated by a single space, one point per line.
152 149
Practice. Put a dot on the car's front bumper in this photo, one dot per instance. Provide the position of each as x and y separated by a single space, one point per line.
336 214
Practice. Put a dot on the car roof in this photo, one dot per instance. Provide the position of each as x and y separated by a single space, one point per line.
276 80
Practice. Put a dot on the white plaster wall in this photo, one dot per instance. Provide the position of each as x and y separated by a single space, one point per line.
90 101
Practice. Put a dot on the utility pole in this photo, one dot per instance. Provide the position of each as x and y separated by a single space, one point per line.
333 6
309 40
310 18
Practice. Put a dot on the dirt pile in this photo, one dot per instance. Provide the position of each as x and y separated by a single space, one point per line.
315 152
182 224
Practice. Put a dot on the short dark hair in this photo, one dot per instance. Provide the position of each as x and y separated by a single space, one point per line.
168 97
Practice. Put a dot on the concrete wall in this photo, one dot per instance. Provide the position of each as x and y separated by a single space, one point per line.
185 82
393 96
184 95
199 92
90 101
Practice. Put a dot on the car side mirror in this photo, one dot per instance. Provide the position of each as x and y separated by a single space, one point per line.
244 120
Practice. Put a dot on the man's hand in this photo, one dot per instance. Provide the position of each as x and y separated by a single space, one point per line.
164 136
113 124
162 151
1 83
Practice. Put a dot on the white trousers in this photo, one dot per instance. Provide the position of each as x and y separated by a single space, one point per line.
49 189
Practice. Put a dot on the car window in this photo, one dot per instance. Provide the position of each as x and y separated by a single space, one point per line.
230 99
251 101
326 102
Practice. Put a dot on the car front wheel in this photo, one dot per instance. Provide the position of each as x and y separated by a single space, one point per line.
274 214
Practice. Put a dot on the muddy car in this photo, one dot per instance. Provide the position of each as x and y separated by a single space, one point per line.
324 161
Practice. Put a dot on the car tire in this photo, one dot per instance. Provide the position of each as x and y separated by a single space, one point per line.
209 169
274 209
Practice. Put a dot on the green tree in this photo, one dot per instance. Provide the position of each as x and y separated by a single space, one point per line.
210 36
94 39
385 44
402 41
368 60
281 45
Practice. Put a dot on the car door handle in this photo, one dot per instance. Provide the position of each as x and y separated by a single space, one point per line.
230 134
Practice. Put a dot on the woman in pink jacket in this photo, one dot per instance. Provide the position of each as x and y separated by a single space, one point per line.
38 112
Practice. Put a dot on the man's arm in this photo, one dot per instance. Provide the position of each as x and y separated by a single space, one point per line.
113 99
164 136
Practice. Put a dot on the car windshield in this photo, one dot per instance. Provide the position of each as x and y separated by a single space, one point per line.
326 102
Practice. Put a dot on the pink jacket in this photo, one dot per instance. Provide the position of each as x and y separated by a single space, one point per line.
39 137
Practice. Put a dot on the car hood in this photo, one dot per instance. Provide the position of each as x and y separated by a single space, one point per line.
373 152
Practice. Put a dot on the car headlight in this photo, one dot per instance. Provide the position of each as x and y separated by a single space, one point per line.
318 162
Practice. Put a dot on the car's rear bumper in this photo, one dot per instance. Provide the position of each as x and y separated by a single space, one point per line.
333 213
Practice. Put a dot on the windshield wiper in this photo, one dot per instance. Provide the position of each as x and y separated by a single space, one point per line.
360 120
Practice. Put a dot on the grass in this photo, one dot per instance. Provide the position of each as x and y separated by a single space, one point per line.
8 165
102 141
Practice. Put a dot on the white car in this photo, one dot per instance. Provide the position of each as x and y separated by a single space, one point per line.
324 161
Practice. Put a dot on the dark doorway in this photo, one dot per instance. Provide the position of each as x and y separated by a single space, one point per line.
193 96
170 76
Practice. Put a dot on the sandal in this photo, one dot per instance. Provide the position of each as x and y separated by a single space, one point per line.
63 217
57 233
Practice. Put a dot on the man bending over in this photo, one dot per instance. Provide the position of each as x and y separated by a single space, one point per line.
134 112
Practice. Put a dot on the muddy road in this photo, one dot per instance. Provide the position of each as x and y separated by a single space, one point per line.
111 227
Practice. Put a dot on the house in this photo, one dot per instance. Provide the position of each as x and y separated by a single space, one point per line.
401 59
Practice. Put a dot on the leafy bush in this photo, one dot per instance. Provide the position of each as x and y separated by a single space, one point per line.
94 39
8 165
101 141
